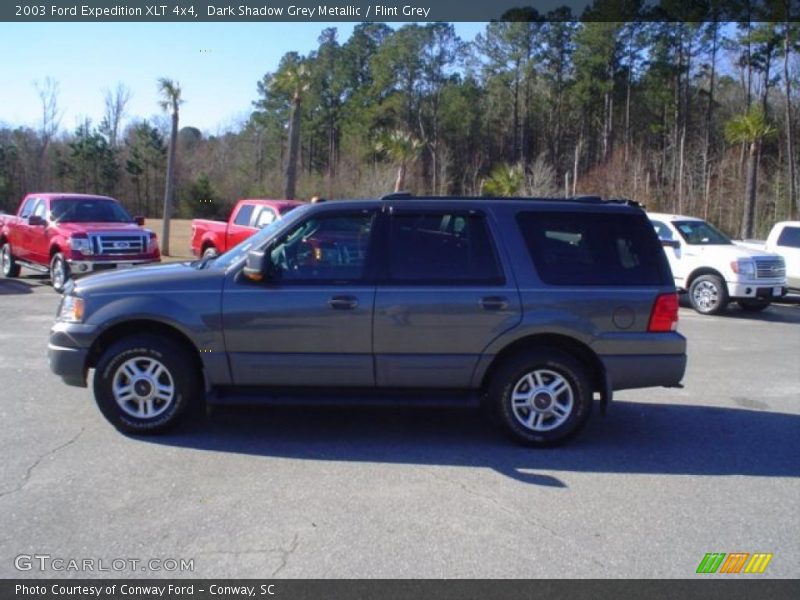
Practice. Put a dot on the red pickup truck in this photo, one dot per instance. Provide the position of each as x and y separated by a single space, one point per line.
210 238
67 235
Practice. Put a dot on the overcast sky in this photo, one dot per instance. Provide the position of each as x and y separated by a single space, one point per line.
217 65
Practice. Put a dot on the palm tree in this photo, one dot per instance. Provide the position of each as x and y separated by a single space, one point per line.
402 148
293 78
505 180
751 129
170 92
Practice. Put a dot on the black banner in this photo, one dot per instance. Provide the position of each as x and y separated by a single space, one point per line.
390 10
209 589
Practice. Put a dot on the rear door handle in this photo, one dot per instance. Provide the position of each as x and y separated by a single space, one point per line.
343 302
494 303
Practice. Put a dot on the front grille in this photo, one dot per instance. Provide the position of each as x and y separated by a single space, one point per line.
770 268
119 244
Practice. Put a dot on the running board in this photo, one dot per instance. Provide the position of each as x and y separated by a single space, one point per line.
346 397
32 266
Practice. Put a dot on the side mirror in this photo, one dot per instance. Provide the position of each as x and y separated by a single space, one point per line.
139 220
36 221
671 243
259 266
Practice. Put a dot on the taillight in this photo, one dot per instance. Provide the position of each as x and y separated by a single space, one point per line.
664 316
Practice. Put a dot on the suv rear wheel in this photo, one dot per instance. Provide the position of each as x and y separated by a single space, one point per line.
708 295
144 384
9 265
542 397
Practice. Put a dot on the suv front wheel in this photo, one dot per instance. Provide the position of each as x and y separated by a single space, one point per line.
144 383
542 397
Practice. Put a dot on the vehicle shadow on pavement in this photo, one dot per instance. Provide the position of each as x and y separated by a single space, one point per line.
13 286
635 437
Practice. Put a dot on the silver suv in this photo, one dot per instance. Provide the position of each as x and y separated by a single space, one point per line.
535 306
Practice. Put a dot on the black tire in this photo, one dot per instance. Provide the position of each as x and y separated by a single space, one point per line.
59 272
209 251
753 305
708 295
549 365
143 350
9 265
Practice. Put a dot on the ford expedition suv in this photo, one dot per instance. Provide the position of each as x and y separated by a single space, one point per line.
67 235
535 306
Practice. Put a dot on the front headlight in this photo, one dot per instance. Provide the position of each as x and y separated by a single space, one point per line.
81 244
744 267
71 309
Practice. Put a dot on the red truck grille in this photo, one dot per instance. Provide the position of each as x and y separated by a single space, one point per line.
106 243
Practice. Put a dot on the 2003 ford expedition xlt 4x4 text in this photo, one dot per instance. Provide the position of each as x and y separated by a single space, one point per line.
532 305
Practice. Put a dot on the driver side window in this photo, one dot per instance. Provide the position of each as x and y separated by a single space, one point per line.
326 248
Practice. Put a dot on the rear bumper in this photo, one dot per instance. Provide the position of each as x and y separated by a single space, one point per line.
630 371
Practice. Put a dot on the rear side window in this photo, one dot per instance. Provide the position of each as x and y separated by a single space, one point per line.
593 248
244 215
446 248
790 236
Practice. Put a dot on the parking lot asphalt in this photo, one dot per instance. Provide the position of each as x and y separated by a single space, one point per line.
666 477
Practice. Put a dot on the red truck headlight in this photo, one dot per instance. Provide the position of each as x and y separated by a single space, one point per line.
81 243
152 244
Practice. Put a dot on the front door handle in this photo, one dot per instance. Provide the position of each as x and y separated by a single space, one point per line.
494 303
343 302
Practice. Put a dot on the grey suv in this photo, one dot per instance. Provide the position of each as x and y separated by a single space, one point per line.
534 306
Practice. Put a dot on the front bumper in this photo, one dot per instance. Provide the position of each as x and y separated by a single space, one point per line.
757 289
68 363
84 267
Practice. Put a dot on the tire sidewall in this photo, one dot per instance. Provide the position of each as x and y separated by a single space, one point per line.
7 260
722 295
173 359
570 369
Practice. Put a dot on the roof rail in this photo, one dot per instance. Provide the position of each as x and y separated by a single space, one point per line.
589 199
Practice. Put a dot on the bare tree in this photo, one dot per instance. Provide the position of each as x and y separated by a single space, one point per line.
116 103
51 119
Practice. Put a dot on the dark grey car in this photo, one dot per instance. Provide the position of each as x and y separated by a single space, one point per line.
536 306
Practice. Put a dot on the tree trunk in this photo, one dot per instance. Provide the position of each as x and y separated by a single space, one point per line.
173 142
290 179
794 200
707 137
748 217
400 182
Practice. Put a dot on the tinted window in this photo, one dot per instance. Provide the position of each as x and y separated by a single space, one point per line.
325 248
593 249
244 214
790 236
442 248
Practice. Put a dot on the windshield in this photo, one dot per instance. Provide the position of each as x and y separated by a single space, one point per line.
88 210
239 252
701 233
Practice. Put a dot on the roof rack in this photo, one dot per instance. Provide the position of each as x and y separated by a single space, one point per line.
583 199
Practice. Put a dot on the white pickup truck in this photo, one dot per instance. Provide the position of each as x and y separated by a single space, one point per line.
784 239
714 270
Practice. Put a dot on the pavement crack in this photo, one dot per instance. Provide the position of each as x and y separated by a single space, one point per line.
29 471
286 554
